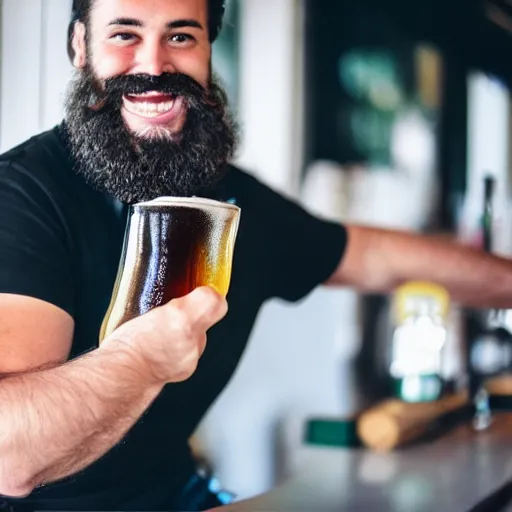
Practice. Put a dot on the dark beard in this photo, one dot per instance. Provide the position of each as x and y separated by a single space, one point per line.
131 168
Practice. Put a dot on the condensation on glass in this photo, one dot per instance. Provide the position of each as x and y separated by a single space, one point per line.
171 246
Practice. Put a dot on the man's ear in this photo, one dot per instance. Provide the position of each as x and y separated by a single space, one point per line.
79 46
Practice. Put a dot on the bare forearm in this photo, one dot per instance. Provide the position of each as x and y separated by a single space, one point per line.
471 276
381 260
56 422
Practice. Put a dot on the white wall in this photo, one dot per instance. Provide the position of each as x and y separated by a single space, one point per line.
270 89
34 67
489 151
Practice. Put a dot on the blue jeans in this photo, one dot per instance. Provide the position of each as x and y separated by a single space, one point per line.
201 493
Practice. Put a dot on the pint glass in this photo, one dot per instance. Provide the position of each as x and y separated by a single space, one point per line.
171 246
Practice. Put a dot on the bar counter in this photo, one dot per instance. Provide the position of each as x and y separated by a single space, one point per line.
462 470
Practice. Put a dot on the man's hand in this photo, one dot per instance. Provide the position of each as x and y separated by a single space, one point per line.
171 339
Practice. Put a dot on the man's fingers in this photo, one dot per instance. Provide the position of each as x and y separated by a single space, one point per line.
204 307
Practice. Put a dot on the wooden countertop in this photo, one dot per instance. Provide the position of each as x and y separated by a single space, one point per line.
451 474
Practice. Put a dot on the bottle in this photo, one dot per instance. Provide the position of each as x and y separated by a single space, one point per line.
483 340
420 313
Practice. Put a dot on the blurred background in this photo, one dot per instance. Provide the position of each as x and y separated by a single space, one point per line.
386 112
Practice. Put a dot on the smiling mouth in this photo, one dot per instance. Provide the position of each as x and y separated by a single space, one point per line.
154 105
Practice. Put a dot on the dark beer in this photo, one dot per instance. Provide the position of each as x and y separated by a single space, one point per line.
171 247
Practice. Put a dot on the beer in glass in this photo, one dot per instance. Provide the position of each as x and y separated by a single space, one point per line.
172 246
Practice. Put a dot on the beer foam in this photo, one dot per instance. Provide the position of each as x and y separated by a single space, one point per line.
190 202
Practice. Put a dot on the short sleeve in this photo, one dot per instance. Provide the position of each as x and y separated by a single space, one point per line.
34 257
300 250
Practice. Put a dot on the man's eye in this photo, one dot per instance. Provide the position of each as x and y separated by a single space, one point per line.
181 38
123 37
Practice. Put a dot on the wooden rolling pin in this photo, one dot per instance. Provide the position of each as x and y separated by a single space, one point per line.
393 422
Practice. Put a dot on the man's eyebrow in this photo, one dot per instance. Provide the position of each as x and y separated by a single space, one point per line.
185 23
132 22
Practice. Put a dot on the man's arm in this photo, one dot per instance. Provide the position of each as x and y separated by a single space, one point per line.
33 334
56 421
378 260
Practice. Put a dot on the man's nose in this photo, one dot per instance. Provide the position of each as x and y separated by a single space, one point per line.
154 58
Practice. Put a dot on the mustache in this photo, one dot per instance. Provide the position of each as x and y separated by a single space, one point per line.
175 84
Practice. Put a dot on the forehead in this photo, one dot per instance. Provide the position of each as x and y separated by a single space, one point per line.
150 10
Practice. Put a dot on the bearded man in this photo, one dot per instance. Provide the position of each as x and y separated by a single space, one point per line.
107 428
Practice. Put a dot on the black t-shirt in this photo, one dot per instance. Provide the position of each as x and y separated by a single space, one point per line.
60 241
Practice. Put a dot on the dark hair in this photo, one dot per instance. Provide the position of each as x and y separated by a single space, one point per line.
81 9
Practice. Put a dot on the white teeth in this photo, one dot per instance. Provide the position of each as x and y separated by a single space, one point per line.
148 94
150 109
